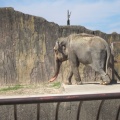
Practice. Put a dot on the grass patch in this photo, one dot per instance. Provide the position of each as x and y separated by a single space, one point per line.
16 87
56 85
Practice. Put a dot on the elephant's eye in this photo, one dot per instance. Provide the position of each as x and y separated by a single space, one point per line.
56 51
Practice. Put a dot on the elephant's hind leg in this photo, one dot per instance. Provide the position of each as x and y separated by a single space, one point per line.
99 66
105 78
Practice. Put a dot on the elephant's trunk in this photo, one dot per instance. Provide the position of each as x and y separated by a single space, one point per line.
57 69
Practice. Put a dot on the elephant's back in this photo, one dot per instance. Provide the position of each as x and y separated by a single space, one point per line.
87 39
81 35
86 43
83 38
98 42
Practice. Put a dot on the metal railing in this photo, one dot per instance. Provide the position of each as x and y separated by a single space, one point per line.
58 98
61 98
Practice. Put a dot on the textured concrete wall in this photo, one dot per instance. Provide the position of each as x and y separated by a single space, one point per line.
26 48
81 110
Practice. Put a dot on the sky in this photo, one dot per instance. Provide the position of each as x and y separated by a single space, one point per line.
103 15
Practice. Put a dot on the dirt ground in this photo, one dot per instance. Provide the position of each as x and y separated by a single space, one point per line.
18 90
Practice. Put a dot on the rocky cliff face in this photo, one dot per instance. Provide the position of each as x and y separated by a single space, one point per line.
26 47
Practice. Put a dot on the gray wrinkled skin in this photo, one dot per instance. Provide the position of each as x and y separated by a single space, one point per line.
87 49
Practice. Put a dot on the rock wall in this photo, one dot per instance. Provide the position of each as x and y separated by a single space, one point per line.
26 48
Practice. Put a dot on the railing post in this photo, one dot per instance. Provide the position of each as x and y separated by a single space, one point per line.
15 112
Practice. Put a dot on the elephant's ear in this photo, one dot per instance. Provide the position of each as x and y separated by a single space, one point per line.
62 43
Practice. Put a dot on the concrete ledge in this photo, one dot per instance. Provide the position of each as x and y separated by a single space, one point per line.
91 88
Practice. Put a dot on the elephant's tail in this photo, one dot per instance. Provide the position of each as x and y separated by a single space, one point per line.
108 57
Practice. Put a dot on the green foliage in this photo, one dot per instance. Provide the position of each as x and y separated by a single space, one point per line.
56 85
16 87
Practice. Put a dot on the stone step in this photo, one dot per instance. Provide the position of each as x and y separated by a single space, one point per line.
91 88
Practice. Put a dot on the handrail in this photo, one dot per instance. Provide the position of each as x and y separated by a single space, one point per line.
58 98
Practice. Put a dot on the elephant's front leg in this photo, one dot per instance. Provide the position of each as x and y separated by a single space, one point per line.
75 71
69 77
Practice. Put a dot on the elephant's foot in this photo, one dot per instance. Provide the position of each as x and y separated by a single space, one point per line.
79 83
105 80
68 83
105 83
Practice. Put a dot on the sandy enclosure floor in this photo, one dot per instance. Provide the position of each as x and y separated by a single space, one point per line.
46 88
58 88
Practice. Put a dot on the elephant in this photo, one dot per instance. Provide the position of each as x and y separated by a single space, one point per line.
82 48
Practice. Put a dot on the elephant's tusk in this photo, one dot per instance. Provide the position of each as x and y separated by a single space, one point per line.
52 79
